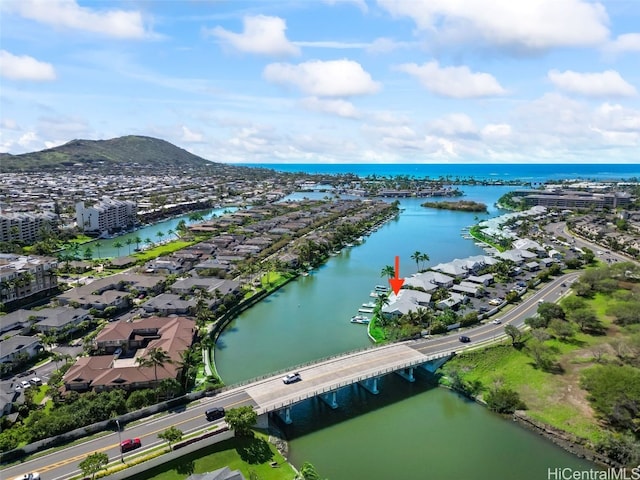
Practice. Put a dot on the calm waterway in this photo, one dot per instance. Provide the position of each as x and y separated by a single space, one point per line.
409 430
104 247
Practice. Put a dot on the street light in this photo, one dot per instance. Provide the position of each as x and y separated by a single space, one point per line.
120 441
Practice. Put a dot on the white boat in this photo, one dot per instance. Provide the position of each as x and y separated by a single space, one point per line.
369 305
381 288
360 319
365 310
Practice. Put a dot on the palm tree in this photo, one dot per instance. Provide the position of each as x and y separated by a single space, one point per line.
155 357
160 234
98 245
148 241
424 257
417 256
171 231
129 242
388 271
118 244
138 241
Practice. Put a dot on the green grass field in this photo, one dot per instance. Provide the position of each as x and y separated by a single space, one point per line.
245 454
554 398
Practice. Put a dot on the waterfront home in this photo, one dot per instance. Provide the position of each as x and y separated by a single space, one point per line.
406 301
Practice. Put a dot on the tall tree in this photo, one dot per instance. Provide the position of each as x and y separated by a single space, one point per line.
155 357
241 419
118 245
417 256
388 271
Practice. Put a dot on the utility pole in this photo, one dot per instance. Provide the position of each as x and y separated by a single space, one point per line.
120 441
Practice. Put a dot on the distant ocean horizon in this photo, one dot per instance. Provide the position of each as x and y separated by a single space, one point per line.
479 171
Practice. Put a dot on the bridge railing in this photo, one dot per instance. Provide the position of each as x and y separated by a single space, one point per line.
300 366
335 386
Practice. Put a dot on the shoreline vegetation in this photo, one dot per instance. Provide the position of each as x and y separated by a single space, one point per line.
573 375
461 205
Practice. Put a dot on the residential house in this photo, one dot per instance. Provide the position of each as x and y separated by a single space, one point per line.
17 320
406 301
168 304
104 372
210 284
59 319
17 346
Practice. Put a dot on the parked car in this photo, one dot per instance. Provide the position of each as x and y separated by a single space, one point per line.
36 381
215 413
25 384
291 378
130 444
464 339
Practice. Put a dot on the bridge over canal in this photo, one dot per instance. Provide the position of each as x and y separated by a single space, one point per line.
324 378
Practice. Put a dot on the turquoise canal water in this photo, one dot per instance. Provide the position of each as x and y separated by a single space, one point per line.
104 247
409 430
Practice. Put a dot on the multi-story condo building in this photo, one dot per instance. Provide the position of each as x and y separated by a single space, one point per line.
106 216
23 278
24 227
572 199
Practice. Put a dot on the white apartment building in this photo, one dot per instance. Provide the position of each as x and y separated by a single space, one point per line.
24 226
24 276
106 216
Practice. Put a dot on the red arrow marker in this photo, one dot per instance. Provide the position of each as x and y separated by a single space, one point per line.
396 283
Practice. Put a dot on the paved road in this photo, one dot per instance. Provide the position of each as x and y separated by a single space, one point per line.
270 393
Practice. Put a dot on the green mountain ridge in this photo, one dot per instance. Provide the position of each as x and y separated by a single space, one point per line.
130 150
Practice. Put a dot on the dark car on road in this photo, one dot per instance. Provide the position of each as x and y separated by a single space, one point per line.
215 413
464 339
130 444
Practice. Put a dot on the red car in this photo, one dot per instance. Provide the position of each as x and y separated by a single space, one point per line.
130 444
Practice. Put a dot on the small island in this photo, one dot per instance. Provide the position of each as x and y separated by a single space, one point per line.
463 205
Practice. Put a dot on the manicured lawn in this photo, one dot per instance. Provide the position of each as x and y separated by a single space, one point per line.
244 454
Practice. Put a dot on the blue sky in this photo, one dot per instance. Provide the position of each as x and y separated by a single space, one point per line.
328 81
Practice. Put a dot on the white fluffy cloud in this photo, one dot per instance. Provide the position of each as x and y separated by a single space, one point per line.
336 106
454 124
334 78
601 84
68 14
190 136
628 42
455 82
24 67
531 25
262 35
